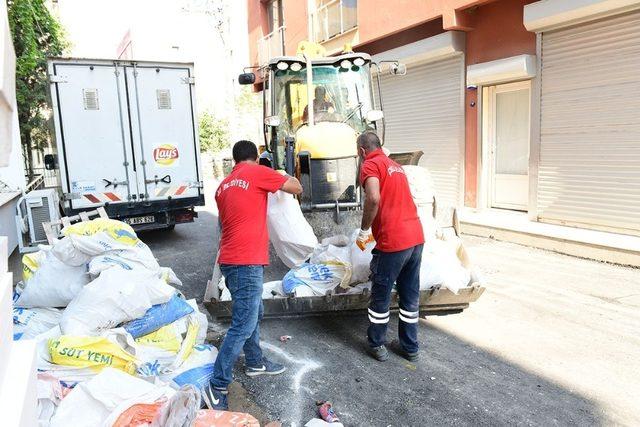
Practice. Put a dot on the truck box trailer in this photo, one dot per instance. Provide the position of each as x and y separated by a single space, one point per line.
126 139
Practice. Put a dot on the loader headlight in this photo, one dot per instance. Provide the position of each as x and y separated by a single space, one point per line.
358 62
296 66
345 63
282 65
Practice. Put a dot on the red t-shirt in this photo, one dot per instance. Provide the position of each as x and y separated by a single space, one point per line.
396 226
242 206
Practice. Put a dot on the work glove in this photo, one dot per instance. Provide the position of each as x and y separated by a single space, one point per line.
364 237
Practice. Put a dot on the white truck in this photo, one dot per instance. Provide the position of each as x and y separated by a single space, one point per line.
126 139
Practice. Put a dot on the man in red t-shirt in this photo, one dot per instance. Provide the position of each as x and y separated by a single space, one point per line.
244 251
390 211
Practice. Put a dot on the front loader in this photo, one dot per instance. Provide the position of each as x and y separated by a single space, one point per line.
315 106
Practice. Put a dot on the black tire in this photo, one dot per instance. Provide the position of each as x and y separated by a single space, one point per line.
170 227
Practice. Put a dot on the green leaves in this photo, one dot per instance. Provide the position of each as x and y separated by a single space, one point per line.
214 133
36 36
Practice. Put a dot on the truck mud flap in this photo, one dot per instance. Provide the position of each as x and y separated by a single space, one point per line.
432 302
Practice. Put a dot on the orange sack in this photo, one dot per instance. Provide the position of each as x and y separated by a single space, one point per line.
213 418
139 414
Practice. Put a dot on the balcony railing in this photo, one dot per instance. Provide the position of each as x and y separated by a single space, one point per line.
334 18
271 45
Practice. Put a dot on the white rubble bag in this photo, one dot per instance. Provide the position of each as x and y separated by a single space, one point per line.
100 401
290 233
360 260
441 266
116 296
102 236
335 251
321 278
421 186
28 323
53 283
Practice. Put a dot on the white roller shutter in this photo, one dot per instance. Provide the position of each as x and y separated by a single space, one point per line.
589 170
424 111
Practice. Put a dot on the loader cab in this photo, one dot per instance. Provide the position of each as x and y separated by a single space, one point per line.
312 120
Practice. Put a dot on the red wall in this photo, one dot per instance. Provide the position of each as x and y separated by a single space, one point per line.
497 33
494 31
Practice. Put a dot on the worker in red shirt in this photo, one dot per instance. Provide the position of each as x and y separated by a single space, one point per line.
244 251
390 212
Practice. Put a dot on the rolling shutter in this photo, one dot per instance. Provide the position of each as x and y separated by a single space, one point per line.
424 111
589 170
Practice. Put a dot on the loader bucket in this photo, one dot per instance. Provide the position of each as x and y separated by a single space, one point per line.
432 302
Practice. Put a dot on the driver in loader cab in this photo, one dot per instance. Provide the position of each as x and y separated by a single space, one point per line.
390 218
244 251
320 104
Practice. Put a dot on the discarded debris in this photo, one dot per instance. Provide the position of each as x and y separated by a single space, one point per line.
116 340
285 338
326 412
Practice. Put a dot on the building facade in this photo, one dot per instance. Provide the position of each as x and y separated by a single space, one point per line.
519 105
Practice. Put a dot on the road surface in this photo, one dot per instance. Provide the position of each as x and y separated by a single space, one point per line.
554 340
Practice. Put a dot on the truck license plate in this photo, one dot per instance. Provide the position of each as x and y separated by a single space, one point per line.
140 220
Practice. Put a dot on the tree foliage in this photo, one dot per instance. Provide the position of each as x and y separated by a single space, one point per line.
36 36
214 133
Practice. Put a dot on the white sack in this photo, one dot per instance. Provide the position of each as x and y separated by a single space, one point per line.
322 278
290 233
441 267
28 323
303 291
103 236
420 184
272 289
53 284
360 260
64 250
116 296
101 400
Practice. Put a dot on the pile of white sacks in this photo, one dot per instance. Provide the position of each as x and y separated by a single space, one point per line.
336 265
116 339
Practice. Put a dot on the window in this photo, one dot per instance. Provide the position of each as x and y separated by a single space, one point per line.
334 17
275 16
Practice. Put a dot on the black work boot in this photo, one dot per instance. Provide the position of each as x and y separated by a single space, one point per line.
379 353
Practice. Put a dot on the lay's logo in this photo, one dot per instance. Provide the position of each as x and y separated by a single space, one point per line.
165 154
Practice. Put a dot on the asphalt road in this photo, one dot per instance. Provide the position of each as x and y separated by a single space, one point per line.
553 341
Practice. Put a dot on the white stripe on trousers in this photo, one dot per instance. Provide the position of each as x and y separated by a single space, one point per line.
408 319
378 321
409 313
378 315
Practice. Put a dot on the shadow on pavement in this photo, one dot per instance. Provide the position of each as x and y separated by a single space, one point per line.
454 383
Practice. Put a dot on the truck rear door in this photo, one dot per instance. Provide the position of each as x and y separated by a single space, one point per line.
91 108
166 156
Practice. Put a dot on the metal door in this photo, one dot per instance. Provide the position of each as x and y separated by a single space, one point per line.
424 110
91 109
590 125
163 129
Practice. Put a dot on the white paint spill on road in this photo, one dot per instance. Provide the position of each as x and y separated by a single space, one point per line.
308 365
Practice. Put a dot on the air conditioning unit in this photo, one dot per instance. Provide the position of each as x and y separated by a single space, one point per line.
34 209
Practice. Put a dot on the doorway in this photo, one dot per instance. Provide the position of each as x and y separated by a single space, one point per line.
506 138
